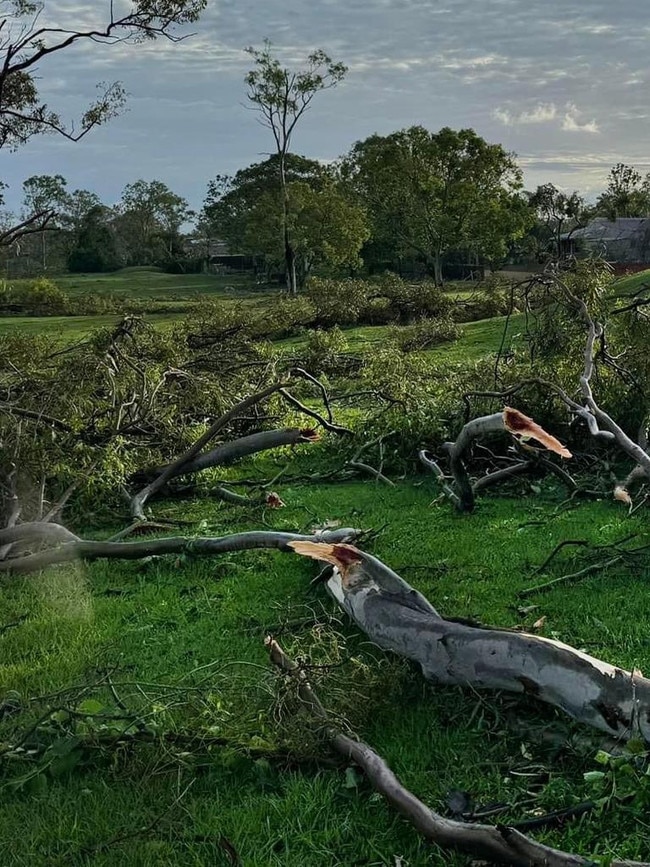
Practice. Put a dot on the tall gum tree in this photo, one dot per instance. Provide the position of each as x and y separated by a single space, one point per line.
282 96
326 227
431 193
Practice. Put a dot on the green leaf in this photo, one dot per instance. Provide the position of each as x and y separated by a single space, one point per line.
36 785
352 778
63 746
90 706
594 776
64 764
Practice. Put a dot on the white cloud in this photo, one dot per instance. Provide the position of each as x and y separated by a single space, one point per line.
546 112
570 122
542 113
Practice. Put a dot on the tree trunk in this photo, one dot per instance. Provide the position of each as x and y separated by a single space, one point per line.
398 618
289 253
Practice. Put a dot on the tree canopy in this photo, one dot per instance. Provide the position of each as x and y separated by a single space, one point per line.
25 44
324 226
431 193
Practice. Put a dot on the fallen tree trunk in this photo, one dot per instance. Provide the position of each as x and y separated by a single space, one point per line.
240 448
71 547
398 618
500 844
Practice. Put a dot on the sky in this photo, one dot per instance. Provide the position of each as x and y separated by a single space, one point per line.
561 83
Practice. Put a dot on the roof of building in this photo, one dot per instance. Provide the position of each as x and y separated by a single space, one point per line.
621 229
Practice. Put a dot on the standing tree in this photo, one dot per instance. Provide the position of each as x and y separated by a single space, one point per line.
25 45
556 213
95 248
433 193
150 221
282 96
325 226
626 194
44 194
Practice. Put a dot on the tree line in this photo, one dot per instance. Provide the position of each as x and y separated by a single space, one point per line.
444 202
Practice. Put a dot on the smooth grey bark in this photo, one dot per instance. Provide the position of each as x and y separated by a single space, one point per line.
249 445
72 548
400 619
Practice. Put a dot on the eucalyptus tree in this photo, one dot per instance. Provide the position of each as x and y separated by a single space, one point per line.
326 226
431 193
44 194
282 96
27 42
150 218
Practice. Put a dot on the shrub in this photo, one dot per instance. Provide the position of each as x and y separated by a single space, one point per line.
425 334
287 316
39 297
493 297
327 352
338 302
409 302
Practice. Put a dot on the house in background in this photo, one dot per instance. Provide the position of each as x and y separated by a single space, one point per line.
623 242
217 257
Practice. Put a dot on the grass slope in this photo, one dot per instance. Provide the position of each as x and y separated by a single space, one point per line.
201 623
151 283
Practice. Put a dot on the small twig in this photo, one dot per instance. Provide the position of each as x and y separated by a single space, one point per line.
556 550
328 425
564 579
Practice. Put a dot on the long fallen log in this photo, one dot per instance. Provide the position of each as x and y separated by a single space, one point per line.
72 548
398 618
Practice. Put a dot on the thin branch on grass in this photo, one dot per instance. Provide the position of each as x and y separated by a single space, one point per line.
573 576
67 547
499 844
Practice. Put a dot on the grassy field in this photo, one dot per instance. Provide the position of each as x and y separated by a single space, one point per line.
152 283
630 284
184 644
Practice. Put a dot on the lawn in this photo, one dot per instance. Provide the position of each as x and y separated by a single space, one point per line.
183 640
628 285
152 283
224 767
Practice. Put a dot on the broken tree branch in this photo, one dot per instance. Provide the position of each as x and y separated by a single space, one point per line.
499 844
139 500
511 421
72 548
397 618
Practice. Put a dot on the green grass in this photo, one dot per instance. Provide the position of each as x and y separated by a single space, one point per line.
73 327
147 284
158 621
628 285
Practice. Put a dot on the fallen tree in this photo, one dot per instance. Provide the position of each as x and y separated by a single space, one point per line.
400 619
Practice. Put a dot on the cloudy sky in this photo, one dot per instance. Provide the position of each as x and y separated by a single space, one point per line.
562 83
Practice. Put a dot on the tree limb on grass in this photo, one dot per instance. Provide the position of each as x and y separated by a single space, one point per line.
71 547
498 844
397 618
